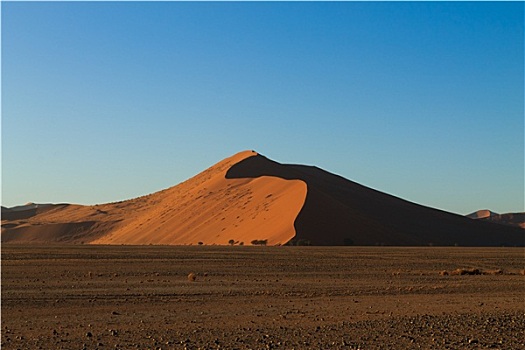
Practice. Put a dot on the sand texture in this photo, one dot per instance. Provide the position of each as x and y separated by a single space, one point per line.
249 197
130 297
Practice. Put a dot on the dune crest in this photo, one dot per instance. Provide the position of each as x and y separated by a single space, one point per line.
205 209
338 211
211 209
249 197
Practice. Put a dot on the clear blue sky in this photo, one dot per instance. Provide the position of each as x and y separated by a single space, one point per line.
105 101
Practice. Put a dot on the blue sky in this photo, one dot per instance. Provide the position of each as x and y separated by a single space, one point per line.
105 101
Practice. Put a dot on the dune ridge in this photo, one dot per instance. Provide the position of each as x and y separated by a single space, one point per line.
207 208
338 211
249 197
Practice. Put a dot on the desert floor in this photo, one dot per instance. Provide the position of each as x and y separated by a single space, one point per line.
131 297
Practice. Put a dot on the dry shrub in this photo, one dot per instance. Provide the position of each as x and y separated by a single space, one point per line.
462 272
192 277
259 242
474 271
443 273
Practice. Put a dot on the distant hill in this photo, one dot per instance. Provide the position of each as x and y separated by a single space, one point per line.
510 219
249 198
481 214
24 211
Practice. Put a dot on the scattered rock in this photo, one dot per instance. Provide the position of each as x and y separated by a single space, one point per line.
192 277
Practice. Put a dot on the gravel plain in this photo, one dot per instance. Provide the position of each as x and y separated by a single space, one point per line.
140 297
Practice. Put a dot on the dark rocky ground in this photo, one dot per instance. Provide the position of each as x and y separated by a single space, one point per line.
121 297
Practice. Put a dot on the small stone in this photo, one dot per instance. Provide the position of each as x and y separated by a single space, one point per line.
192 277
89 334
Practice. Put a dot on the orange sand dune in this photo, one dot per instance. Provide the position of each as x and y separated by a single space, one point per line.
481 214
214 210
248 197
338 211
207 208
511 219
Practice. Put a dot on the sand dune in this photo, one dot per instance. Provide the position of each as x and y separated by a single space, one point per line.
207 208
511 219
248 197
338 211
214 210
480 214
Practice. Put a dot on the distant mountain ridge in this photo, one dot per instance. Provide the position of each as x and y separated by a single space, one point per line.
250 198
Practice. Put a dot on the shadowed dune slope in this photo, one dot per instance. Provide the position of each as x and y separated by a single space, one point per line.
338 211
248 197
64 223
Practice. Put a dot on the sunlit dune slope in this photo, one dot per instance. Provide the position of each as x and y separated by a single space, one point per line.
207 208
214 210
248 197
481 214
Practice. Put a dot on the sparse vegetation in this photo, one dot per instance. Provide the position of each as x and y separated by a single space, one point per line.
471 271
259 242
461 272
299 242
